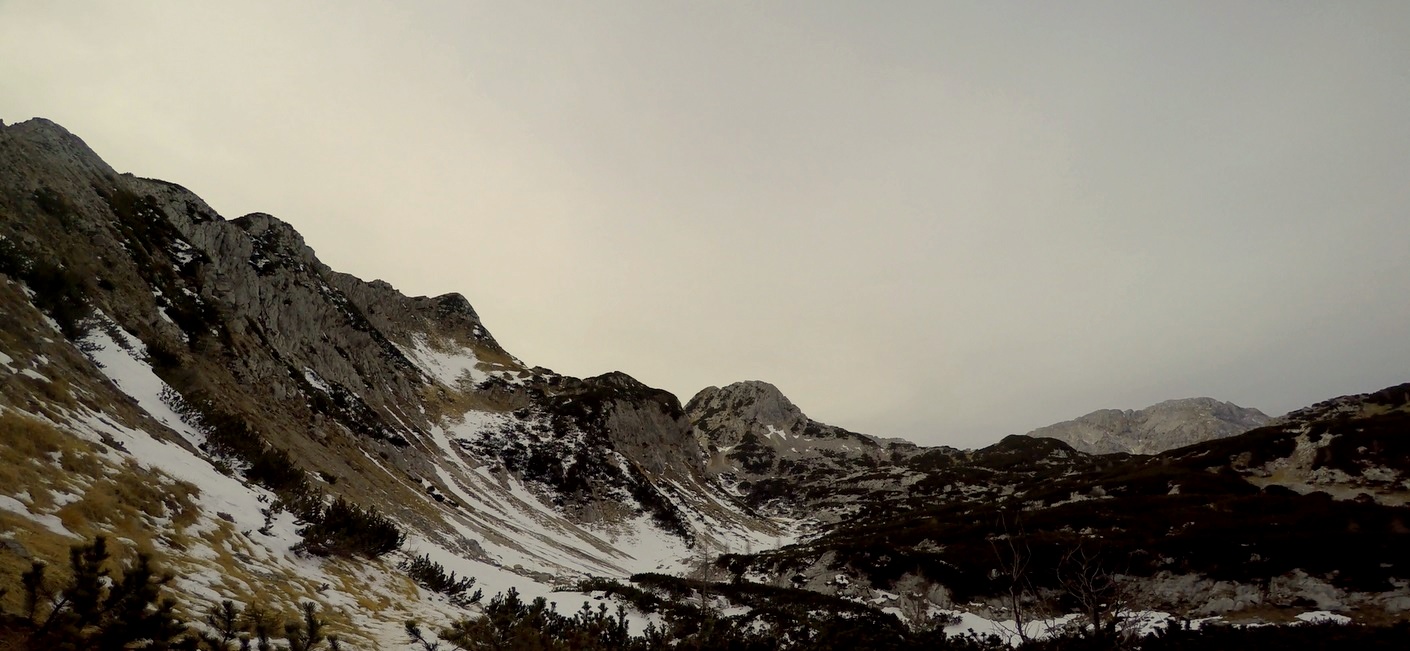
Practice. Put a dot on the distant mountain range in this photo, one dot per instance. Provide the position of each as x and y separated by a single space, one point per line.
274 432
1157 428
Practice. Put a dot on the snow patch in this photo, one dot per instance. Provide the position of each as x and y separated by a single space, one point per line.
448 367
46 520
121 362
1323 617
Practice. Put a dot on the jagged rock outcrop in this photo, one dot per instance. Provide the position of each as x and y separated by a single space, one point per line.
648 425
1160 427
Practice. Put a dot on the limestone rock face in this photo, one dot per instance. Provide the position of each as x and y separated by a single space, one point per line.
271 287
1164 426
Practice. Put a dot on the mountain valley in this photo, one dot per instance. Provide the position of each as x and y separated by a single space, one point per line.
206 393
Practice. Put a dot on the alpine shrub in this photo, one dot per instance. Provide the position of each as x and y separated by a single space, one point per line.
345 529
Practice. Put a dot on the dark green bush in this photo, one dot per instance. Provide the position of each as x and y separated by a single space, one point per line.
432 576
59 291
12 261
345 529
511 623
101 609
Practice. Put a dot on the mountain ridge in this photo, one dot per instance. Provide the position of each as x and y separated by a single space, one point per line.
1163 426
207 389
254 352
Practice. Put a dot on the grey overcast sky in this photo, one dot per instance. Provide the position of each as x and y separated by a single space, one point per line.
944 221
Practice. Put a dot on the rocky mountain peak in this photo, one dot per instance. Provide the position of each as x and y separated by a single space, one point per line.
455 304
618 380
755 438
233 335
45 157
1159 427
725 414
272 230
49 135
46 144
276 243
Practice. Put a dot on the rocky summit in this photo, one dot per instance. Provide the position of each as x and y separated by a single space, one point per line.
1157 428
211 440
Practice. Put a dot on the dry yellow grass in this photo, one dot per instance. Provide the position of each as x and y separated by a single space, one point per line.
37 543
23 437
145 512
58 474
37 461
82 483
453 403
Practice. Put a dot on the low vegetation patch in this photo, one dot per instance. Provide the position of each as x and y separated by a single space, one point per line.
345 529
341 528
59 291
107 605
432 576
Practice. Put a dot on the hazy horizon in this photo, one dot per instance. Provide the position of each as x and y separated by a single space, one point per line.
945 222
